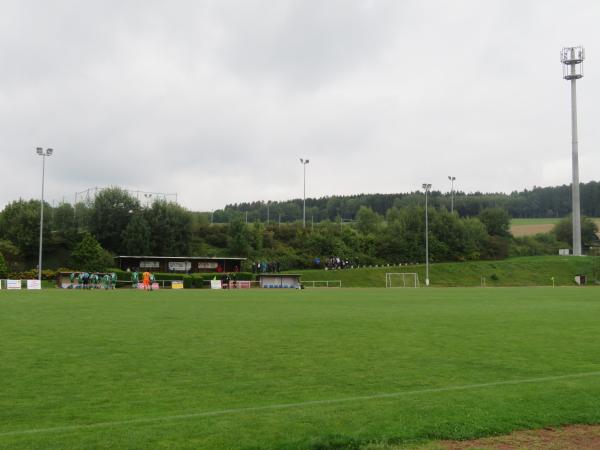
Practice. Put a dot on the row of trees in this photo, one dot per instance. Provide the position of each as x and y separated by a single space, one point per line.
539 202
115 223
115 220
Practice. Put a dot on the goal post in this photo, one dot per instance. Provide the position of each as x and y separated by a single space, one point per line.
401 280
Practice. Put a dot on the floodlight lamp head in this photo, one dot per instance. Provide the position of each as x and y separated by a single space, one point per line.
572 59
426 186
49 151
40 151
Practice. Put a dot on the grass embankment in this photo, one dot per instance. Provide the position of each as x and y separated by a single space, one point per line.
525 271
292 369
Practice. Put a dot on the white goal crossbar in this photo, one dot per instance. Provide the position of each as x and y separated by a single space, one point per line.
401 280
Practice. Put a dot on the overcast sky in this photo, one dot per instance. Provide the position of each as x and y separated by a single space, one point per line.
218 100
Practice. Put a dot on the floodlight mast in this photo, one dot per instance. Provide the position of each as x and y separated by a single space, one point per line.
304 162
427 187
452 179
572 60
43 153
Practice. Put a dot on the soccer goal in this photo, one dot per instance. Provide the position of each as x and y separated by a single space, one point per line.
401 280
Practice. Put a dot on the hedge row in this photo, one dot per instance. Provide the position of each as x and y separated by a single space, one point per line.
47 274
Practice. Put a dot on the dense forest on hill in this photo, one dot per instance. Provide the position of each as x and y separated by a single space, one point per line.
361 229
538 202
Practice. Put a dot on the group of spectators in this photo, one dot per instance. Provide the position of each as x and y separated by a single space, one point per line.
265 267
335 262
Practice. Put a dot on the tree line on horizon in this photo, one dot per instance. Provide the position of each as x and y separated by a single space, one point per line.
539 202
88 235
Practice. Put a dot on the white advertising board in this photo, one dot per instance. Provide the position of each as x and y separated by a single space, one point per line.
182 266
215 284
207 265
13 284
149 264
34 284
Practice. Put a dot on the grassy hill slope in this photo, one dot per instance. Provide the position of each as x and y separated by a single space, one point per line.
526 271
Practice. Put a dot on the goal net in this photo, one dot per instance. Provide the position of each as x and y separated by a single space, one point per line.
401 280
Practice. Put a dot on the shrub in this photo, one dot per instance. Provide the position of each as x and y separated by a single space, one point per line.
539 244
3 267
24 275
89 255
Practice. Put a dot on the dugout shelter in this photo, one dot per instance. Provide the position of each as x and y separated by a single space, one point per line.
180 264
276 280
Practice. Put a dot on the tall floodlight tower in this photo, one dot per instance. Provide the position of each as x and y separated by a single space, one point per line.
452 179
304 162
43 153
572 59
427 187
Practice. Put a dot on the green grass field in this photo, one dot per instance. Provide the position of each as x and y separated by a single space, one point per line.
339 368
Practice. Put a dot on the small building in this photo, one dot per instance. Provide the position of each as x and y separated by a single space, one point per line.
279 280
180 264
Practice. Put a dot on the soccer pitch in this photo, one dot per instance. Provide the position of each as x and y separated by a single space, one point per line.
293 369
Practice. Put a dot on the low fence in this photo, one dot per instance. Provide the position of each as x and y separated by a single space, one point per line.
322 283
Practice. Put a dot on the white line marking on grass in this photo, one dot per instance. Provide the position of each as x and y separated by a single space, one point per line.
293 405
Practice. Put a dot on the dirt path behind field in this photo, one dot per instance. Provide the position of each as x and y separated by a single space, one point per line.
572 437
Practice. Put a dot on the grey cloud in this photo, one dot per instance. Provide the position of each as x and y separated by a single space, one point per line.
219 99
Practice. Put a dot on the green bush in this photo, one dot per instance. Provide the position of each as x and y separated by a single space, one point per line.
24 275
3 267
537 245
